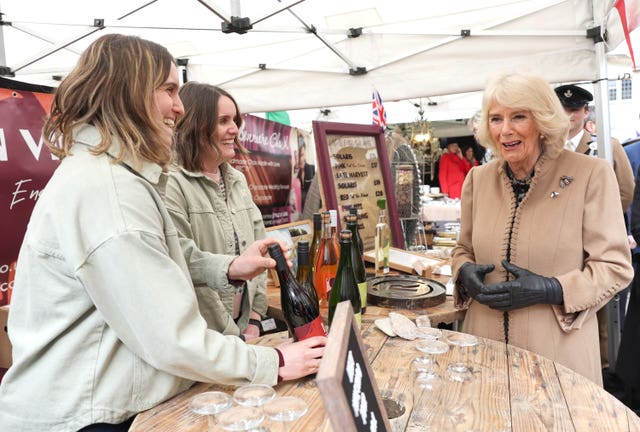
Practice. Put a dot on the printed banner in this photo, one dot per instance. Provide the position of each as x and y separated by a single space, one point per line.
269 168
25 167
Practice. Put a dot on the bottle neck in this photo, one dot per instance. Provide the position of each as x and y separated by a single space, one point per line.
382 217
345 254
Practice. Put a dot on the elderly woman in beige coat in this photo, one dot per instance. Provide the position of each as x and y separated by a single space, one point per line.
542 244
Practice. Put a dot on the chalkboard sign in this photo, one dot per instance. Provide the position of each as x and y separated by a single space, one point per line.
345 379
355 172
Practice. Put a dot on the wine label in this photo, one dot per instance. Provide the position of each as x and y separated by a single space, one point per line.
310 329
362 287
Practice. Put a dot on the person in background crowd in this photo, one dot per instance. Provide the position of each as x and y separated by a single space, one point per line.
575 101
538 292
210 202
452 170
305 171
470 157
627 371
104 319
473 123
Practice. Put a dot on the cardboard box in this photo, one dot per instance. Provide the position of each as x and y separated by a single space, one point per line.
5 345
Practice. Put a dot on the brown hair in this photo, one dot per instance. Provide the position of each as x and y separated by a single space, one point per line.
112 88
195 129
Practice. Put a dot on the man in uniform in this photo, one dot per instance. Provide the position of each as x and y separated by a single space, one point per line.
575 101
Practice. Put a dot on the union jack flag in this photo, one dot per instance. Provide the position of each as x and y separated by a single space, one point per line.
379 114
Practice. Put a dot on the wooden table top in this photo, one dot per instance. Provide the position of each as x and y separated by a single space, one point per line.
511 390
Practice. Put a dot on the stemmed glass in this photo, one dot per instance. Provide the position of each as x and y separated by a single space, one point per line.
210 404
459 370
241 418
286 409
255 395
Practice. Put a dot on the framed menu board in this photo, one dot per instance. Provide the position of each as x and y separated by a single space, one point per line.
355 172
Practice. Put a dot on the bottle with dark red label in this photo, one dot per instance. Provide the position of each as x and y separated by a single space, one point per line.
300 310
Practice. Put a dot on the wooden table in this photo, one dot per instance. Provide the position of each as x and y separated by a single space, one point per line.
512 390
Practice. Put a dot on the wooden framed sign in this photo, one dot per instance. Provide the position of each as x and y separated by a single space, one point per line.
345 379
355 172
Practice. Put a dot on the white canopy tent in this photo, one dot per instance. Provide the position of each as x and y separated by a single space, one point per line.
322 52
294 54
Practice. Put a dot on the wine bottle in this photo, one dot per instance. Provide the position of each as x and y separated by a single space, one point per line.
304 274
315 243
333 219
326 262
357 262
354 211
300 311
345 286
383 238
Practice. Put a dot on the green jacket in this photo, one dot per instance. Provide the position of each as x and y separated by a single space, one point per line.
199 211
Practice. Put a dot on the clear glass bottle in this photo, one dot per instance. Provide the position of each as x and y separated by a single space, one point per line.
345 286
357 261
326 262
300 310
382 241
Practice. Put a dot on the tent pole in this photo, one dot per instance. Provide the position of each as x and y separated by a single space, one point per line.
603 124
3 57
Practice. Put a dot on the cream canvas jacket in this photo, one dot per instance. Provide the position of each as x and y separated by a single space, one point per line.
104 319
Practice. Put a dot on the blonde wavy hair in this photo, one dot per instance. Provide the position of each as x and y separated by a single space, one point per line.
112 88
530 93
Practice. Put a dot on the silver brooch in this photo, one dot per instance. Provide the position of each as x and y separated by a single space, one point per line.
565 181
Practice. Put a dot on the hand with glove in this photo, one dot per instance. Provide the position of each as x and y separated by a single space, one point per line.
471 277
527 289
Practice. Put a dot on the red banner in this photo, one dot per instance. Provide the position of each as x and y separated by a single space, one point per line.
25 167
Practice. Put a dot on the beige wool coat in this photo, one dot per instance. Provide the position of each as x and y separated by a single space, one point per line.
575 233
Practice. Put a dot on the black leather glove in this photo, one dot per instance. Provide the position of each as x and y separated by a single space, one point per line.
471 277
527 289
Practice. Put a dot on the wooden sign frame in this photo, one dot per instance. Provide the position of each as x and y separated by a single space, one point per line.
345 370
330 168
287 233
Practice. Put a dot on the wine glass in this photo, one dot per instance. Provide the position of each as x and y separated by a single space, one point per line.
427 363
255 395
459 370
210 404
241 418
286 409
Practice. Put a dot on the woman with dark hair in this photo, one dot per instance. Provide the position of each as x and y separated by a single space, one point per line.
104 319
210 202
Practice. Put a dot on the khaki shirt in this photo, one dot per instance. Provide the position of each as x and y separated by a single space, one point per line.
104 320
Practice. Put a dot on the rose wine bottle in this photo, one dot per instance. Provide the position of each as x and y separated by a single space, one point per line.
315 243
326 262
300 310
